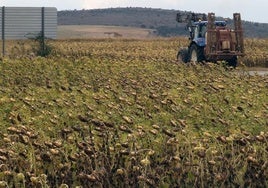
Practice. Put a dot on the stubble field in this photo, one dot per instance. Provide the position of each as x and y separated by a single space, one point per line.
125 113
99 31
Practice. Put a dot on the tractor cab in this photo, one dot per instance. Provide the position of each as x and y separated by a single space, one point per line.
199 30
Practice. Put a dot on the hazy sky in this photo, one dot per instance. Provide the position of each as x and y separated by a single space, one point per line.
251 10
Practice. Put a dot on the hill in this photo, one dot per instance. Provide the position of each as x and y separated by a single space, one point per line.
161 20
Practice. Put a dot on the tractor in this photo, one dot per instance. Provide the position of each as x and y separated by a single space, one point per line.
211 40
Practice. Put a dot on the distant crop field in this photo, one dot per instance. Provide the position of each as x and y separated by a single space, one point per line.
125 113
94 31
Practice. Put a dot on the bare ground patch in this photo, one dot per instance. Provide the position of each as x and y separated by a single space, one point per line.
94 31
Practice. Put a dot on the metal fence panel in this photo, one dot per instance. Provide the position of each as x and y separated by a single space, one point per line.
1 23
25 22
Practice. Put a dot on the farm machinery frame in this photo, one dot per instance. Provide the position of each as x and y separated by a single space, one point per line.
211 40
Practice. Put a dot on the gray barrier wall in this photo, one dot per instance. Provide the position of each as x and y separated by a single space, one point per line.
27 22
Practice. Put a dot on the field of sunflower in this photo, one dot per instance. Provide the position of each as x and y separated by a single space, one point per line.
125 113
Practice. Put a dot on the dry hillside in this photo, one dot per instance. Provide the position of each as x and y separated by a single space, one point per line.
159 19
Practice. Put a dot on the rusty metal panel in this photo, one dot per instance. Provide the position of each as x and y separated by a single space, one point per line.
238 32
26 22
211 34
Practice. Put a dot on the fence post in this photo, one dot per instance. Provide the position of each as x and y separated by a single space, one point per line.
3 31
43 30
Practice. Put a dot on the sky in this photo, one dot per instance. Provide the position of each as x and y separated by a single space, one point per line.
251 10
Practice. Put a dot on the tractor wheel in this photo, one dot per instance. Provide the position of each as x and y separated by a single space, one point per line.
196 53
232 62
183 55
